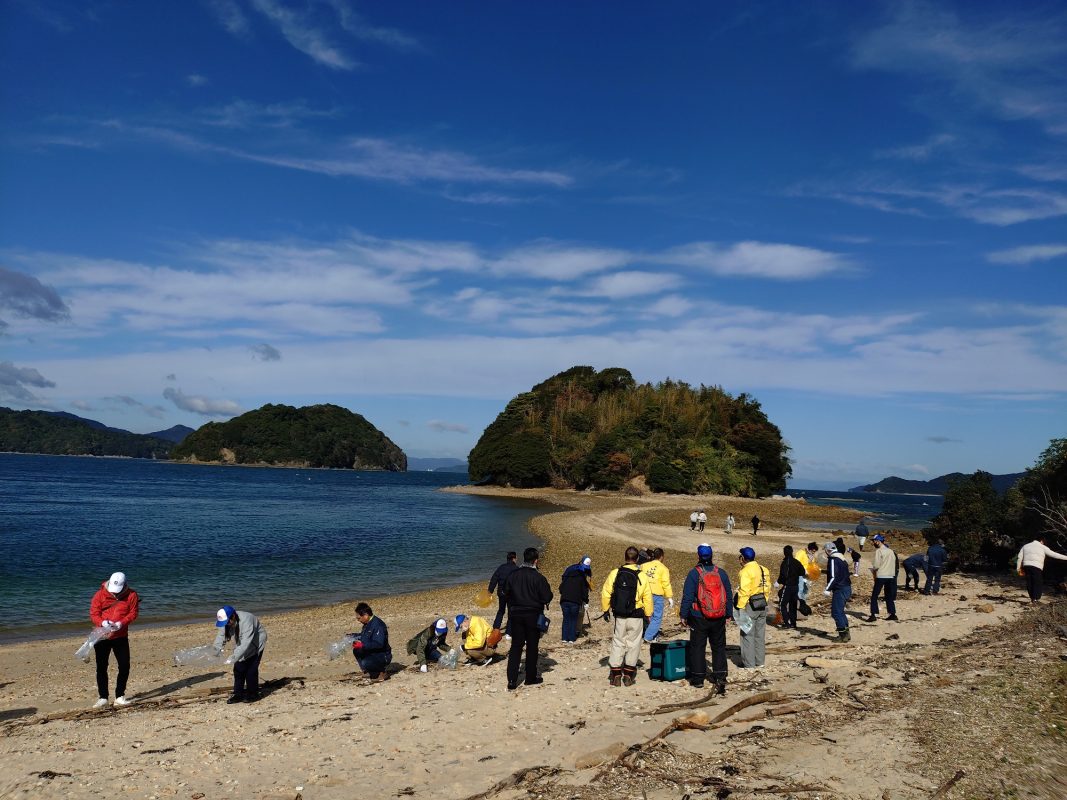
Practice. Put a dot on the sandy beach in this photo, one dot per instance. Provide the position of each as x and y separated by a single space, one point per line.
970 681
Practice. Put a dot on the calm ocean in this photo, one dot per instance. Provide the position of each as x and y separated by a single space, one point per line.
910 511
192 538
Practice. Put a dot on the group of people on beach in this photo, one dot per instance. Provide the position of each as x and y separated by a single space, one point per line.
728 527
633 597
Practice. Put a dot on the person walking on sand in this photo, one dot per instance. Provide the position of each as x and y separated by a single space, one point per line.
790 575
705 609
1031 562
371 648
249 640
528 596
659 583
912 565
114 607
429 643
702 520
729 523
498 583
856 557
936 556
838 589
755 524
885 578
574 596
628 598
862 533
693 518
753 584
478 644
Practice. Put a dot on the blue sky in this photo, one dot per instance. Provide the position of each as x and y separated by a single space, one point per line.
855 212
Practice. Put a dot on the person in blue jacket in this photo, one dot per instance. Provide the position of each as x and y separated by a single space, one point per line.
936 556
704 630
838 588
912 565
371 647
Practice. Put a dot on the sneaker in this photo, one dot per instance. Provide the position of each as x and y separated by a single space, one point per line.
101 703
615 680
122 701
893 617
628 680
844 636
872 618
697 684
507 637
534 681
235 698
512 686
252 697
720 688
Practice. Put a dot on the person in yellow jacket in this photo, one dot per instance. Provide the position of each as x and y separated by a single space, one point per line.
659 583
754 584
475 632
628 597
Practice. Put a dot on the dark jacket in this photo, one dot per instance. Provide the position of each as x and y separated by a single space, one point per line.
375 638
936 557
689 592
915 562
426 640
527 591
837 574
574 588
791 571
499 581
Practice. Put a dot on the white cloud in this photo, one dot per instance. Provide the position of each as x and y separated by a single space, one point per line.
230 16
632 284
917 469
440 426
196 80
560 262
758 260
205 406
1028 254
154 411
301 32
15 380
919 152
81 405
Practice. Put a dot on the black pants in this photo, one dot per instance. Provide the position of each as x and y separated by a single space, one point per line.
246 675
933 580
501 608
889 586
704 632
121 648
911 575
524 635
790 599
1035 579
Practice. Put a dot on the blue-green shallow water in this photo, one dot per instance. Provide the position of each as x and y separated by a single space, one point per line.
192 538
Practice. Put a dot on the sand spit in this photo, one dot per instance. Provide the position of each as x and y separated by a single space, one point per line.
897 713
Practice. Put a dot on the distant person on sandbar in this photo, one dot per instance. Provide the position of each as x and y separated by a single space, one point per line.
528 596
856 558
936 556
755 524
862 533
693 518
705 610
574 597
114 606
479 644
838 589
429 644
1031 562
249 640
912 565
627 597
730 523
702 520
659 583
371 647
498 583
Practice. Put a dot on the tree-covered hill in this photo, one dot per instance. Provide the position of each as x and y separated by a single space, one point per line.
938 485
584 428
61 434
313 436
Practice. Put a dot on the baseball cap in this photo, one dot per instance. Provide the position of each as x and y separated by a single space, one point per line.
878 538
704 551
460 619
440 626
222 616
586 561
117 582
748 553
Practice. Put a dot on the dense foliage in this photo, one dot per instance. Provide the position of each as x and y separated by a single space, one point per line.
56 434
938 485
313 436
979 525
584 428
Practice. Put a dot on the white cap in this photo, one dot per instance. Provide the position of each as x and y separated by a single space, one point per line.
117 582
587 562
440 626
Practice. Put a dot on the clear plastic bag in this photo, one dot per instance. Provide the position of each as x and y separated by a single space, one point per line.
340 647
204 654
95 635
744 621
449 659
803 588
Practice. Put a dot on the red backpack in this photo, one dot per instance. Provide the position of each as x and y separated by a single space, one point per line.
711 594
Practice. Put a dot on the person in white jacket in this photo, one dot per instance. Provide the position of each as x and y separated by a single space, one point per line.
1031 563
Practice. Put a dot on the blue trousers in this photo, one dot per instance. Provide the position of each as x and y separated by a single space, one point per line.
889 585
656 620
571 612
374 663
837 606
933 580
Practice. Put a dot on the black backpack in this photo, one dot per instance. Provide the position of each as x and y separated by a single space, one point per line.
624 593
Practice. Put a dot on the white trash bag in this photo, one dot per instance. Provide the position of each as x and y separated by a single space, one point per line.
449 659
95 635
204 654
340 647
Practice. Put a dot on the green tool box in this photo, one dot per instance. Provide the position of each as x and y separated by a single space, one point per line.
669 660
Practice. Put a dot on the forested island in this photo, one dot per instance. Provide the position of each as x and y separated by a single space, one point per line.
938 485
279 435
60 434
588 429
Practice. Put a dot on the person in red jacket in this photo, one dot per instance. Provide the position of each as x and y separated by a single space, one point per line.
114 607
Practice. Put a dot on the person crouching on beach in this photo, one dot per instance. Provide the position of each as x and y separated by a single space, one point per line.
114 606
627 596
371 647
478 644
429 643
249 640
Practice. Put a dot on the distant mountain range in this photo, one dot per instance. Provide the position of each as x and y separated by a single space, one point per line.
938 485
175 433
436 465
60 433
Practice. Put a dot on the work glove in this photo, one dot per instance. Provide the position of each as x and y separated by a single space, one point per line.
357 645
106 624
777 585
828 593
228 660
670 602
422 668
116 626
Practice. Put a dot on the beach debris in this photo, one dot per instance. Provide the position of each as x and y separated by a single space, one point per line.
985 608
515 778
708 699
50 775
449 659
599 756
818 662
203 654
944 789
95 635
483 598
340 647
576 726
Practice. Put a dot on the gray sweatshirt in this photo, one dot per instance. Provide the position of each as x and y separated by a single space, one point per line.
249 637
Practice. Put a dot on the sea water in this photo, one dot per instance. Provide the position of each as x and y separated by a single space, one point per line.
192 538
883 510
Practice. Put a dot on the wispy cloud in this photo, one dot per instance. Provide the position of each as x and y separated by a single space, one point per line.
196 80
25 296
301 32
126 401
230 16
15 380
440 426
364 31
264 352
633 284
1028 254
942 439
919 152
758 260
198 404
